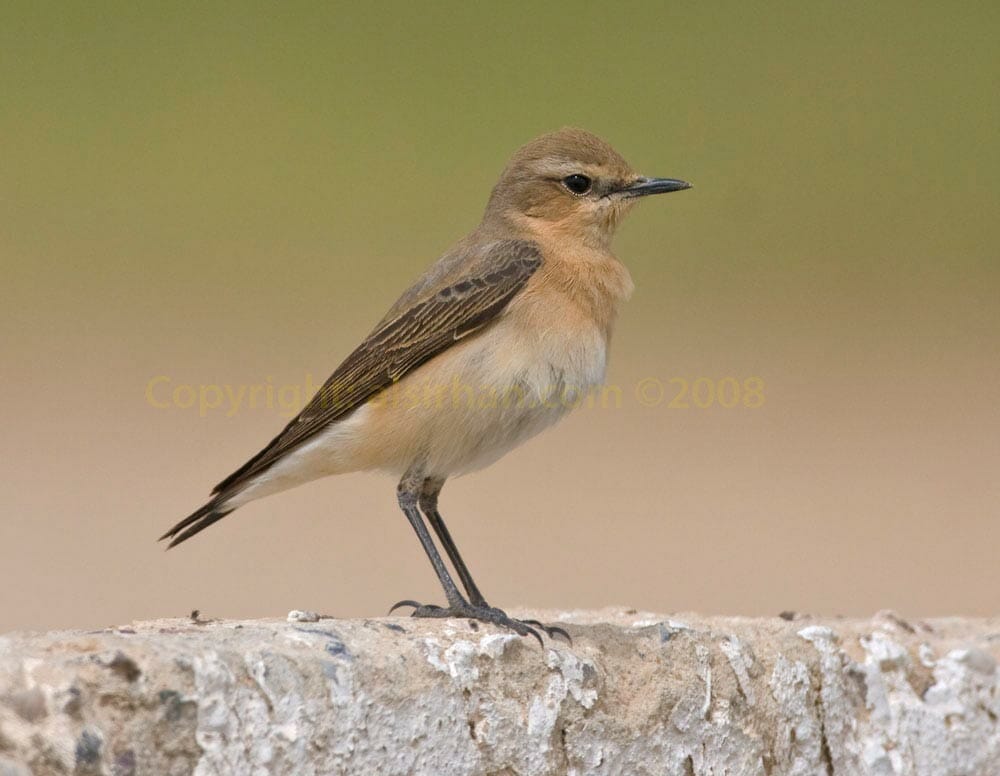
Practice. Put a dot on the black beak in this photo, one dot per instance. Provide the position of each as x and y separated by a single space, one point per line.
643 186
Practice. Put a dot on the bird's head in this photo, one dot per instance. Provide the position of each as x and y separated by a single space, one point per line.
571 184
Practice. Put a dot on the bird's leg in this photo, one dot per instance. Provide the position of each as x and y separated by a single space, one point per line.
411 493
429 506
408 495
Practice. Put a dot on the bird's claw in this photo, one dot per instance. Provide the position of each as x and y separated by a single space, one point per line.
485 613
404 602
550 630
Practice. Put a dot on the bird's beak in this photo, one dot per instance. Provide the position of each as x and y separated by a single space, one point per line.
643 186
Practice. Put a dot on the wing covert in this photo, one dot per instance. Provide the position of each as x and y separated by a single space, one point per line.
427 326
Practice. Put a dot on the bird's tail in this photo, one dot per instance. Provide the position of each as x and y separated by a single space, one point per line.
199 520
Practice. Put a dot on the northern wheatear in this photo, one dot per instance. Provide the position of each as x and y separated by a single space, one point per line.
495 342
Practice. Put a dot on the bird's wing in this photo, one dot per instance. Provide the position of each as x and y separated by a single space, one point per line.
416 333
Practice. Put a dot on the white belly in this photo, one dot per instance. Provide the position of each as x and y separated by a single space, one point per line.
491 394
459 412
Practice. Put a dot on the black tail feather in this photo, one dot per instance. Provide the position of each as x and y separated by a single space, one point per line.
196 522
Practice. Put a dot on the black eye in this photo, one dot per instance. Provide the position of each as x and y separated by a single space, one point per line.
578 184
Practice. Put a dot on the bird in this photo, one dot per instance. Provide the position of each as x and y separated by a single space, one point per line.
494 343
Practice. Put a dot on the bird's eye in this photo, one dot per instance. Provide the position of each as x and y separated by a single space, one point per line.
578 184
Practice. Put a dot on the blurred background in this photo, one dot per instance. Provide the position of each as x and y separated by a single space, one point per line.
232 194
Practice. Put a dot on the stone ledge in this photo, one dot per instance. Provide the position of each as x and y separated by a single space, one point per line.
635 693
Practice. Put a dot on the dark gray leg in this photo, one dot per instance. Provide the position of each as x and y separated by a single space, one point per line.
408 494
429 506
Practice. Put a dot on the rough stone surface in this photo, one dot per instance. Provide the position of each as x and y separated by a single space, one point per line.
635 693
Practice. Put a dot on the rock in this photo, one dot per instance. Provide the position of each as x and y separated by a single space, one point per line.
635 693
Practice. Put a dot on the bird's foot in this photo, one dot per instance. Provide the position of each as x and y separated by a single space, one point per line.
485 613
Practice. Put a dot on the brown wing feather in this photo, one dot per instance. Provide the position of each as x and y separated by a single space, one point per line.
399 345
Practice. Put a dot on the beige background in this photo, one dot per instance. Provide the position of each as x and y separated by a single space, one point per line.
233 194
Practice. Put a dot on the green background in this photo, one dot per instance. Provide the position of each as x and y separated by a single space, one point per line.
233 193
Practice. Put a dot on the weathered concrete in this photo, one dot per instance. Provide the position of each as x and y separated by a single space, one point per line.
635 693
